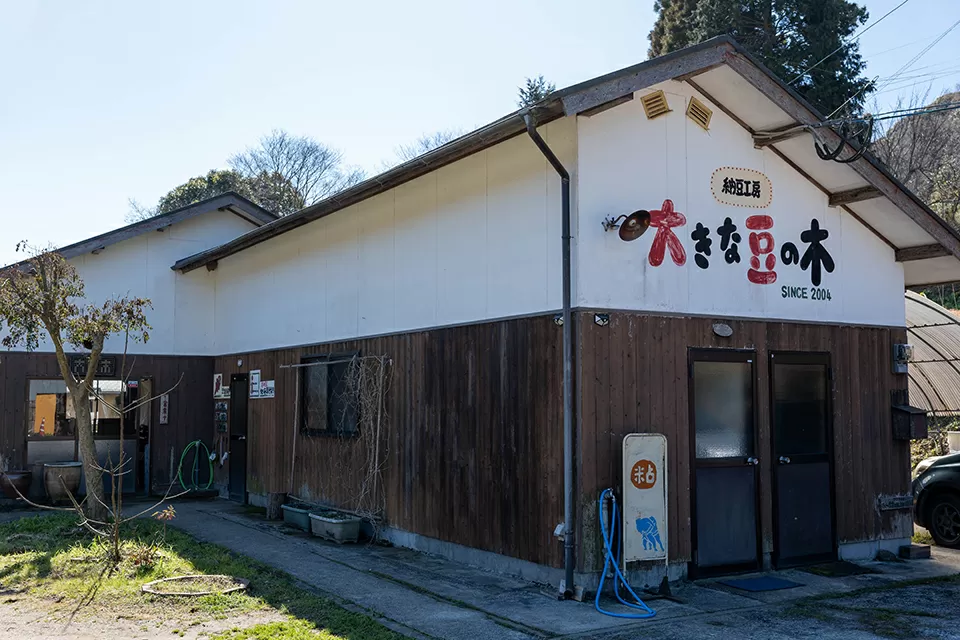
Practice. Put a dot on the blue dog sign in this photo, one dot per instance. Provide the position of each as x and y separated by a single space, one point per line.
644 497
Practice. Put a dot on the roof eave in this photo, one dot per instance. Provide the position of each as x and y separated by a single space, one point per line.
507 127
232 202
679 65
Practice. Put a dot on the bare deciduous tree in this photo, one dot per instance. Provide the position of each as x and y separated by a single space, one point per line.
309 171
425 143
923 152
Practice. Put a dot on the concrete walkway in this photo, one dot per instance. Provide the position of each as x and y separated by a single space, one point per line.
426 596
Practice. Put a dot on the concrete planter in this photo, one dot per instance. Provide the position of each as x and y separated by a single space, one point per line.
296 517
12 481
339 528
70 472
953 441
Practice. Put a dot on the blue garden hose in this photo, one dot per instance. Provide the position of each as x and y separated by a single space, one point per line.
611 560
195 473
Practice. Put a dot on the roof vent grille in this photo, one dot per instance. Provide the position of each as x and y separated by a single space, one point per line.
655 104
699 113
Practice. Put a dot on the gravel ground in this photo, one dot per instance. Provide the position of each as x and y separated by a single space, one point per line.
918 611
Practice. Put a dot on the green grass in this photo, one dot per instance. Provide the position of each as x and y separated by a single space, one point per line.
287 630
53 561
922 537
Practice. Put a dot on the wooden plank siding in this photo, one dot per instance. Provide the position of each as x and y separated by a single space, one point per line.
474 442
635 380
474 438
191 403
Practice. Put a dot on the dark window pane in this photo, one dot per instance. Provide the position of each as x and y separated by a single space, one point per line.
723 409
800 408
315 397
330 398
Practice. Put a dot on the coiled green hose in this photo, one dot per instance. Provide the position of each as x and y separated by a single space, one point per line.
195 475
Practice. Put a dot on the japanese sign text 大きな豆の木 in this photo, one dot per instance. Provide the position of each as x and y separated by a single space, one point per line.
762 255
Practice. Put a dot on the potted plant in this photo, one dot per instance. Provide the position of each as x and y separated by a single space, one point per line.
334 525
297 514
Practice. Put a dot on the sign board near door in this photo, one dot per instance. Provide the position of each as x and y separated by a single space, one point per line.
644 497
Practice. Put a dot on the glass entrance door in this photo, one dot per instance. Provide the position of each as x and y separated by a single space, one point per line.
726 537
803 512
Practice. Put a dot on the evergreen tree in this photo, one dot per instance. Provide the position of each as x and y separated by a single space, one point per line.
789 36
534 90
672 30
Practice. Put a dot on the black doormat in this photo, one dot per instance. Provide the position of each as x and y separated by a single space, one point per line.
838 569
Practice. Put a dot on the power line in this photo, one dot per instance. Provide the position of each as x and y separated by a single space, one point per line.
921 54
896 113
847 101
847 42
886 115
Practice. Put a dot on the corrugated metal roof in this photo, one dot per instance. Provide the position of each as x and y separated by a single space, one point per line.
934 333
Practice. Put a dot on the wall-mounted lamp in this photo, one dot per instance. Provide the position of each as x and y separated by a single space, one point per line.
239 362
722 329
634 225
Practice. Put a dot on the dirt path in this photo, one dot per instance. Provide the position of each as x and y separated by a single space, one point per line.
27 619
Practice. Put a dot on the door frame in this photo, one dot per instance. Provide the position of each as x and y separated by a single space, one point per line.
706 354
245 378
802 357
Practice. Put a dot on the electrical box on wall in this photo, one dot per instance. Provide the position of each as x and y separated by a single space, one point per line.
909 423
902 355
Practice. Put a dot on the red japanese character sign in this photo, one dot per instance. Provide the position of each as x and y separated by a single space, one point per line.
761 244
665 219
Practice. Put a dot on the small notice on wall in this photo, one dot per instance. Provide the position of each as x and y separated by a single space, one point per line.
644 497
741 187
267 389
218 385
164 409
255 383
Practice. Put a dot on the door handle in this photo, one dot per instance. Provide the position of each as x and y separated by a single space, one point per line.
753 460
239 437
784 460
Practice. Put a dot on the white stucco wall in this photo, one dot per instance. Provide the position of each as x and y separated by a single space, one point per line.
477 239
182 318
627 162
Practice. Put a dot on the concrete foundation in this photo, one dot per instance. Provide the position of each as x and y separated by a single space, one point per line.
867 550
648 576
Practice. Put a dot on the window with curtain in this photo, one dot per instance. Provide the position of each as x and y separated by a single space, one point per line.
329 395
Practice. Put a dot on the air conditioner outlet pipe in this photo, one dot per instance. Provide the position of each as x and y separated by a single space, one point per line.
612 559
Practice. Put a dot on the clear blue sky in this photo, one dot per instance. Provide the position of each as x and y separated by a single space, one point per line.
105 101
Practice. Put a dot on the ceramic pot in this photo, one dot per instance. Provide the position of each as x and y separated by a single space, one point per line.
69 472
13 481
